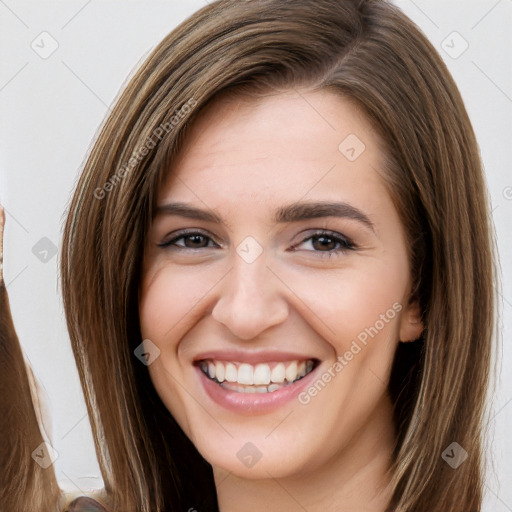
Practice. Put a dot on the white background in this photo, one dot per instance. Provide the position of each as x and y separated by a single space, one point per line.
50 110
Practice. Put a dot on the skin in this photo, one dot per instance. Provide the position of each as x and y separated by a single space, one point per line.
242 160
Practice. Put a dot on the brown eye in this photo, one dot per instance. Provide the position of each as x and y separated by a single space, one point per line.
328 243
321 243
195 241
190 240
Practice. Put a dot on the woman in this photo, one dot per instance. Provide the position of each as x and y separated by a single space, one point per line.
229 363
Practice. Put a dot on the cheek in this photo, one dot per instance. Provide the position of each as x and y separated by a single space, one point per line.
171 302
359 310
168 298
344 303
164 299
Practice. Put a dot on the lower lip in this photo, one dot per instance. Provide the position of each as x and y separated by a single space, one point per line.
254 403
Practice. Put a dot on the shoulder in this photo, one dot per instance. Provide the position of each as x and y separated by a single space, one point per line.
91 503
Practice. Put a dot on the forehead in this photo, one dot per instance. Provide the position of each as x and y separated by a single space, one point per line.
280 147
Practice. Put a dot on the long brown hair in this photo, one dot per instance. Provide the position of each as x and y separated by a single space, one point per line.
24 484
372 53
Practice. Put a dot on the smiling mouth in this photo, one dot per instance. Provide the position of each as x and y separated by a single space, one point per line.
258 378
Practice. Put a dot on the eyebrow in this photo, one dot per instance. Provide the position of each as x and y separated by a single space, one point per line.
294 212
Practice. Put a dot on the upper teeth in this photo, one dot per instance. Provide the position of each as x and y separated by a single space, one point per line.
260 374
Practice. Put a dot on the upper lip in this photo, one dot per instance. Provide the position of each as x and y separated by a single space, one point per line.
252 357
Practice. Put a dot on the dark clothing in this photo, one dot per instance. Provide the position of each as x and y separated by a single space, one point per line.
85 504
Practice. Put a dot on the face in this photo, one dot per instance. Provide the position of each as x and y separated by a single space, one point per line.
275 285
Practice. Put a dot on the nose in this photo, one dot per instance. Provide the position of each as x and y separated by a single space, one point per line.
251 299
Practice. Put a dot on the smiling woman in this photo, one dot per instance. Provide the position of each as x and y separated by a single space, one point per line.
251 331
289 295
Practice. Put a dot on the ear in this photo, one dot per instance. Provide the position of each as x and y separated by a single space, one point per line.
411 325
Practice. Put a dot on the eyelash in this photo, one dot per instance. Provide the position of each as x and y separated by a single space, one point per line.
345 243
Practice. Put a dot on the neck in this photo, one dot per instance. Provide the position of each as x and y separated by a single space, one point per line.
354 478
